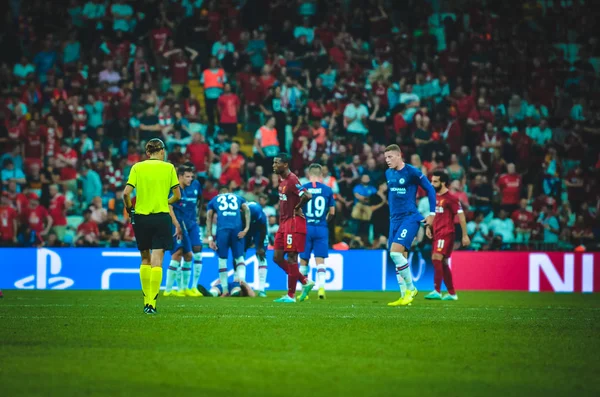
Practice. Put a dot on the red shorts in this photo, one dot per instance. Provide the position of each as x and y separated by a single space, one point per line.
443 245
291 235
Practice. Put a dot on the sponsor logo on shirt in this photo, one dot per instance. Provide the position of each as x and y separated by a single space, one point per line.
399 190
282 197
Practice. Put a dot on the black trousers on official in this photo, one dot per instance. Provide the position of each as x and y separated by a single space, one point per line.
153 231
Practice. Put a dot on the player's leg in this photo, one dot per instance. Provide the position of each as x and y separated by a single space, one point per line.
305 255
237 249
143 238
278 253
401 239
195 235
451 296
438 272
173 269
145 275
161 240
186 273
223 243
321 250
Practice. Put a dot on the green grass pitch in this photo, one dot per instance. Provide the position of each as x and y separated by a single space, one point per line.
76 343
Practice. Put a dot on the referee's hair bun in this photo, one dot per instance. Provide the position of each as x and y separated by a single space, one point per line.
154 145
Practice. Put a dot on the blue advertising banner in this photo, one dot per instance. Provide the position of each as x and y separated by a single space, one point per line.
118 269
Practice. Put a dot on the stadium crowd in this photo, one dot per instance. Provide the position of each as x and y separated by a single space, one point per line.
502 95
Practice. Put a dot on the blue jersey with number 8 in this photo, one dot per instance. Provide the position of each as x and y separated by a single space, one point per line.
228 207
317 208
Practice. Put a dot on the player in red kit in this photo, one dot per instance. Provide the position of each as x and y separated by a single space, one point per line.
291 236
447 207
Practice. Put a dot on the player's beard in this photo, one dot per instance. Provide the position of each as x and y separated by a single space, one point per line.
437 188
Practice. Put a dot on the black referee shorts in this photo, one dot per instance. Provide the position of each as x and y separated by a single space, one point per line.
153 231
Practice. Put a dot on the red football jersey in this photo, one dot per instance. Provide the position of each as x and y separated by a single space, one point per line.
89 228
523 219
290 191
36 218
58 210
7 218
447 206
510 185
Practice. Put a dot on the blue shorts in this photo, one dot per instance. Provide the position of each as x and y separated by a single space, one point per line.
403 232
317 242
253 237
195 234
183 244
227 238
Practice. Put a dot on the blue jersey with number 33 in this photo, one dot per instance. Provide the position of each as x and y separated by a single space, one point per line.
228 207
317 208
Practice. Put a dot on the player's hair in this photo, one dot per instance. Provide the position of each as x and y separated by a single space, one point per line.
284 158
183 169
444 178
154 145
393 148
315 169
223 189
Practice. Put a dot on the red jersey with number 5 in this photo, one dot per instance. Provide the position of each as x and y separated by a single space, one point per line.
447 206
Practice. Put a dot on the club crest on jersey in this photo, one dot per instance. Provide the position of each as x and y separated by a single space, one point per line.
401 180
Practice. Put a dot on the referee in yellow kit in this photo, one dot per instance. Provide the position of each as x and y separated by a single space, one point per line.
154 179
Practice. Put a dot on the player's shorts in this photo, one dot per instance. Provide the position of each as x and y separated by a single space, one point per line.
253 237
443 245
195 234
153 231
403 232
227 238
184 243
291 236
317 242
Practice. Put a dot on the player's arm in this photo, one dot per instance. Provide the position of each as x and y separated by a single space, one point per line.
305 197
246 212
330 214
199 205
176 196
428 187
209 226
175 223
466 241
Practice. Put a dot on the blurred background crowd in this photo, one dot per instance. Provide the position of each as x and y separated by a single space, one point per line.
504 95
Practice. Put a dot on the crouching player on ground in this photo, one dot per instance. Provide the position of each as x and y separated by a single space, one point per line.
318 212
190 245
241 289
257 235
230 233
447 207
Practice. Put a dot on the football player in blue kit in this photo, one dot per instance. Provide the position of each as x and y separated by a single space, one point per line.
189 247
257 235
403 182
318 212
231 233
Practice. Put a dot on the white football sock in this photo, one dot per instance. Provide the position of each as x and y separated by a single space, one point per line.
223 274
171 274
241 269
262 274
304 270
186 272
401 262
321 274
197 269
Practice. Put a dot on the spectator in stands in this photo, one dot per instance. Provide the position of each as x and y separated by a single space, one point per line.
510 186
213 79
482 194
258 183
98 214
266 143
503 228
58 208
91 184
524 221
355 115
87 232
550 224
228 105
232 166
12 174
39 222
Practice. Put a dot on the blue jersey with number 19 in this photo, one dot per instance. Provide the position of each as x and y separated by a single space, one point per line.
317 208
228 207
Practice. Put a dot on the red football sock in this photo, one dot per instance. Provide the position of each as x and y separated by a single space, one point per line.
293 275
284 266
438 273
448 279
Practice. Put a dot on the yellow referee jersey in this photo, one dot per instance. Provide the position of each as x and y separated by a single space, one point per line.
153 180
